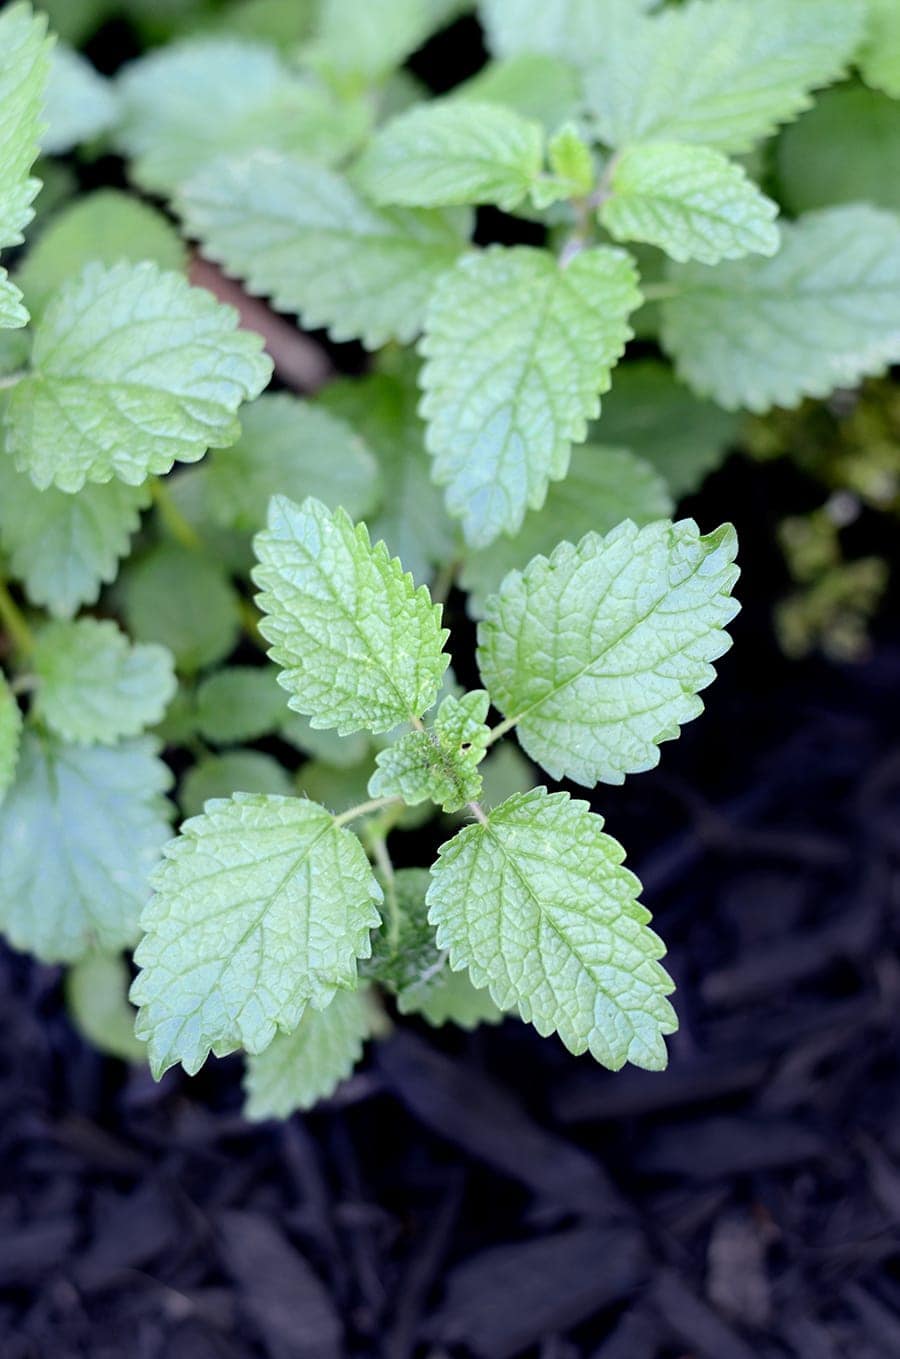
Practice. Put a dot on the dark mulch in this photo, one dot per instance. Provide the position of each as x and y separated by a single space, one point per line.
490 1195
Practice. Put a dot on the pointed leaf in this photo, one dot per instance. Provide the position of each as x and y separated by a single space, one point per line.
300 1068
439 764
24 68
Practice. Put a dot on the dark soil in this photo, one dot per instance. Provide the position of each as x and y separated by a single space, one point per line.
489 1195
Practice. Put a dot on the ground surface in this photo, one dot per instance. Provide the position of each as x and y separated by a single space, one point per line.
489 1195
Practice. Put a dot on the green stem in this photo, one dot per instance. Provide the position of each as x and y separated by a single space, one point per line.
181 530
364 808
14 622
250 622
444 582
386 868
660 292
498 732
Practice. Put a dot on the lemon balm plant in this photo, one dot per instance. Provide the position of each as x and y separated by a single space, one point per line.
267 621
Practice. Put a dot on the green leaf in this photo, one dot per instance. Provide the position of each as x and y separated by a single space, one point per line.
97 1000
240 703
576 30
80 103
405 959
183 600
439 764
500 432
235 771
537 905
305 237
94 686
24 68
187 103
288 447
603 486
80 830
572 166
132 370
452 999
879 60
662 422
300 1068
341 752
505 772
822 313
599 652
10 735
262 906
450 152
845 150
532 84
721 72
691 201
107 226
412 520
367 41
64 547
361 649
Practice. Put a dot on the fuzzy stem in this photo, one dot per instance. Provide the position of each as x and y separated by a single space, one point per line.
364 808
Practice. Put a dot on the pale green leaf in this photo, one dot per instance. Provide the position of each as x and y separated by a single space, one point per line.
383 408
234 771
24 67
283 23
288 447
723 72
10 735
405 959
305 237
598 652
576 30
187 103
80 831
367 41
538 906
602 487
533 84
879 60
340 752
107 226
64 547
262 906
505 771
132 370
183 600
97 1000
189 493
80 103
453 999
298 1069
454 151
336 787
501 431
822 313
361 649
239 703
573 172
659 419
93 685
691 201
845 150
439 764
13 313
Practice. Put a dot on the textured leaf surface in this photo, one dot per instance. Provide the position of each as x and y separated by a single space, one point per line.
305 237
822 313
234 771
64 547
107 226
577 30
184 601
691 201
10 735
412 520
453 999
879 60
80 830
132 370
187 103
602 487
846 149
361 649
240 703
538 906
518 350
97 1000
80 103
599 651
300 1068
456 151
262 906
24 67
288 447
95 686
723 72
659 419
441 763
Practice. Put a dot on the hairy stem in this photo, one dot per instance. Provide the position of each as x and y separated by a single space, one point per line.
378 844
498 732
365 808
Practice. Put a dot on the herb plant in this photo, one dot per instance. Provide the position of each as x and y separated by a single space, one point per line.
631 144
